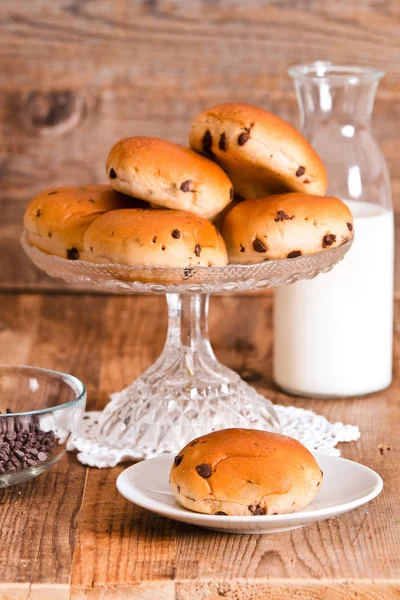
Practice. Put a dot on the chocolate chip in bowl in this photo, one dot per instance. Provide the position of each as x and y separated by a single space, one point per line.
39 411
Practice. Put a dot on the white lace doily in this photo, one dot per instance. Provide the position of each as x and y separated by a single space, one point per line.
312 430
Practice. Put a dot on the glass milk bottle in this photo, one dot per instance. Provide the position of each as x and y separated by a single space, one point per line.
333 334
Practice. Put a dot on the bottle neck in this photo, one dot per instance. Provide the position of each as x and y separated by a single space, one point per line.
344 105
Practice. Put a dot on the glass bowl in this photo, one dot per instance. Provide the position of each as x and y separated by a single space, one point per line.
40 410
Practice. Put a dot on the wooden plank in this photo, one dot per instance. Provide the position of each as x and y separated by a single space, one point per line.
245 589
142 43
125 552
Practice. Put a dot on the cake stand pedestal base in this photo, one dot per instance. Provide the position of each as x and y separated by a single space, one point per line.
185 393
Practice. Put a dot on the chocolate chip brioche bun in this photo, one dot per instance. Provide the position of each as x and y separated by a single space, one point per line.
245 472
285 226
169 176
56 220
261 153
159 238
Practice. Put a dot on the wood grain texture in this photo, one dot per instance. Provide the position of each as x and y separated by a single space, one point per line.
127 561
77 75
71 522
39 519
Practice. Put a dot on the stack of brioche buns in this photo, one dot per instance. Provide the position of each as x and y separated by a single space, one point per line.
250 189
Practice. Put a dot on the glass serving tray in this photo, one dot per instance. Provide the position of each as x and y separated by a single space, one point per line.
190 280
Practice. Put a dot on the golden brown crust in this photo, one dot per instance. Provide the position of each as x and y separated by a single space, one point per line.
245 472
285 226
261 153
168 175
56 219
162 238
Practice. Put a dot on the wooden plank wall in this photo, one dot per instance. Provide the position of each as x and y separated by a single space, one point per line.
75 75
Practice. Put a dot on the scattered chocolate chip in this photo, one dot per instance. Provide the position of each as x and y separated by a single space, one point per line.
259 246
38 212
231 194
293 503
349 226
243 138
207 143
91 248
328 240
282 216
72 254
307 181
322 473
112 174
204 470
91 200
51 193
242 248
221 512
176 234
163 247
127 420
154 239
49 234
319 483
112 233
194 443
222 142
197 250
187 186
300 171
256 510
188 272
177 460
294 254
178 487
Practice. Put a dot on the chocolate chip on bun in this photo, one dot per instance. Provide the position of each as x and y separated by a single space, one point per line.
261 153
285 226
160 238
56 219
245 472
169 175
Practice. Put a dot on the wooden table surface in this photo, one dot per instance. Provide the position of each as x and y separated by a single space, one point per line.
69 533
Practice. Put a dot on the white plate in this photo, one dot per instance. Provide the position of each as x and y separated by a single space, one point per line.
346 485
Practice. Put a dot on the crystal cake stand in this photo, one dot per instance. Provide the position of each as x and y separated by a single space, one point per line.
187 392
